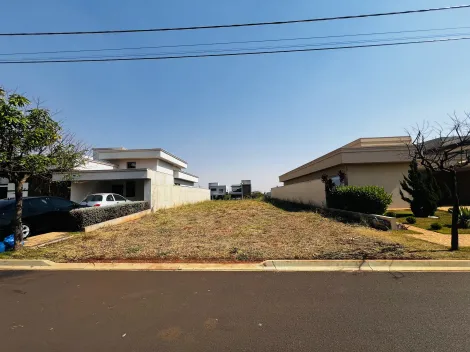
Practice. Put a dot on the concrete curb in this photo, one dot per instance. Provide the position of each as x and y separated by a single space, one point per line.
268 265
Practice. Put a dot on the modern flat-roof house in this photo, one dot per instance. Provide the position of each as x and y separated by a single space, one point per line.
366 161
138 174
241 190
217 191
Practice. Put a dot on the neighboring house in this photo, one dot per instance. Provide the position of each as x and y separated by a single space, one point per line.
217 191
7 189
138 174
366 161
240 190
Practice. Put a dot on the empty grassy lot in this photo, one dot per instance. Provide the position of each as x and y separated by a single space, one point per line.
247 230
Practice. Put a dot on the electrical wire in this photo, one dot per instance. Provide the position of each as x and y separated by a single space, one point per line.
252 24
233 42
235 54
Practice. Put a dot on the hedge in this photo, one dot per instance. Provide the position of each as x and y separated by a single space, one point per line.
362 199
94 215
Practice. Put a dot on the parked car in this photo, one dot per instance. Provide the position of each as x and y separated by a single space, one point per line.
103 199
40 214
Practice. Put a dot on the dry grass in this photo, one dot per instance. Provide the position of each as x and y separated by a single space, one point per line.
236 230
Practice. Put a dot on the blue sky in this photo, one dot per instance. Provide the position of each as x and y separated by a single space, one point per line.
242 117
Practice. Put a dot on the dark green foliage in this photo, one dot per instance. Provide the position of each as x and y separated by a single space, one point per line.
257 195
423 189
411 220
94 215
436 226
464 218
362 199
391 214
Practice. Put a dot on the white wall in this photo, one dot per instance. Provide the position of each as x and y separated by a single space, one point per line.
165 167
93 165
184 182
310 192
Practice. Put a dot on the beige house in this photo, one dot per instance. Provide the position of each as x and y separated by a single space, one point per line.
154 175
366 161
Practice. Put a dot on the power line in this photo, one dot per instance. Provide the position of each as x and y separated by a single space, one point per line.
252 24
233 42
234 54
367 41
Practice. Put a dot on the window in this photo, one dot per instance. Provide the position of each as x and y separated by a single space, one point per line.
119 198
109 198
36 205
221 190
213 189
60 203
3 192
93 198
130 189
131 164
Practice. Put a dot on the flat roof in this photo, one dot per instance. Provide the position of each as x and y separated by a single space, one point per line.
113 150
372 146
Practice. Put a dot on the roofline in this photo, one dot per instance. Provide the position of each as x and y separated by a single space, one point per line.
342 150
103 171
103 150
187 173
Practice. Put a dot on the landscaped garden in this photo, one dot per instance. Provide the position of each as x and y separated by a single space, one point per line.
444 220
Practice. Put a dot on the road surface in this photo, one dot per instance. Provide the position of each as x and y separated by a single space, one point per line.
230 311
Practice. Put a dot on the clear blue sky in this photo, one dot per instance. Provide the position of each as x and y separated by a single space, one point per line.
241 117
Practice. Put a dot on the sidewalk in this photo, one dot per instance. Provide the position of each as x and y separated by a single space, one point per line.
45 239
437 238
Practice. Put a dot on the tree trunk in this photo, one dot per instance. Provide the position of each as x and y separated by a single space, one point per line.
455 214
19 212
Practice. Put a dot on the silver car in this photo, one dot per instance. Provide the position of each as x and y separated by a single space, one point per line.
103 199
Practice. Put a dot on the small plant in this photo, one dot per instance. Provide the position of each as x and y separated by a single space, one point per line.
391 214
464 218
411 220
436 226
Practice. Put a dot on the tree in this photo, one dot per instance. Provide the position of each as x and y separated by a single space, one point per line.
445 150
423 189
32 144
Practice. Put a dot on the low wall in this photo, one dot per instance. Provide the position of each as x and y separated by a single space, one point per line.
167 196
310 192
117 221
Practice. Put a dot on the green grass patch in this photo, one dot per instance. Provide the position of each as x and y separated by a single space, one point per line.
445 220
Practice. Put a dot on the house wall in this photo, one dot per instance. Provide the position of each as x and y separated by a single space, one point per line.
310 192
165 167
79 190
164 194
384 175
331 172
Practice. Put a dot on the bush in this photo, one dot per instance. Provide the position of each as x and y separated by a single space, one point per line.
464 218
411 220
391 214
94 215
436 226
362 199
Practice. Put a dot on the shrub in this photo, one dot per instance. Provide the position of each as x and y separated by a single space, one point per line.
411 220
464 218
391 214
436 226
423 189
362 199
89 216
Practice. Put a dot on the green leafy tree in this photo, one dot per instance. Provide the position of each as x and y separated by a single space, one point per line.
32 144
423 189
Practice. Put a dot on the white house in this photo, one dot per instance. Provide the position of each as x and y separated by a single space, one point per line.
217 191
138 174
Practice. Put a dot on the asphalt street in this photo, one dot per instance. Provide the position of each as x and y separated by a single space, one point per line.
230 311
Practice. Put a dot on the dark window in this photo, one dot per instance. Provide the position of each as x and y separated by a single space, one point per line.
130 189
61 203
119 198
93 198
131 164
119 189
36 205
110 198
213 189
3 192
